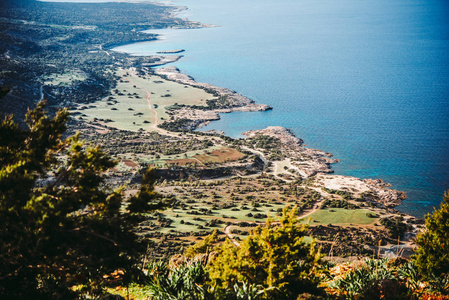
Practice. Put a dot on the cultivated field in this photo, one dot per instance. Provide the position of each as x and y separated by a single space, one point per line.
221 155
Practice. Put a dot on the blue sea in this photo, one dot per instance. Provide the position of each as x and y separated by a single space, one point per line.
365 80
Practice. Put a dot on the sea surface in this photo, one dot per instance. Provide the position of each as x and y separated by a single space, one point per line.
365 80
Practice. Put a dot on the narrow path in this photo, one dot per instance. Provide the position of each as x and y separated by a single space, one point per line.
148 99
227 231
260 154
276 172
41 92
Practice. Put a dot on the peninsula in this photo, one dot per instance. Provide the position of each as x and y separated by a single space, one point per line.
171 51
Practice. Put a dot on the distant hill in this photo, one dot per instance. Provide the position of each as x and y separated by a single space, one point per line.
45 39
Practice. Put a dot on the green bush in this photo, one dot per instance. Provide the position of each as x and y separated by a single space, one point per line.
275 256
432 255
60 226
373 280
396 226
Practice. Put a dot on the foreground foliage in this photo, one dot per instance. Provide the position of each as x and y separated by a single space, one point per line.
190 281
374 279
432 255
60 226
274 262
371 279
275 256
186 281
386 279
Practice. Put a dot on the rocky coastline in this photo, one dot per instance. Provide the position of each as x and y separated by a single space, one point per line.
199 117
316 163
306 162
303 161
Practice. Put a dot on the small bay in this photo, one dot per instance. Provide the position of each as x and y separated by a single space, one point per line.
367 81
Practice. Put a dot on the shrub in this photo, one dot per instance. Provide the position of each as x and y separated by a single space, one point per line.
273 256
205 246
373 280
432 255
395 226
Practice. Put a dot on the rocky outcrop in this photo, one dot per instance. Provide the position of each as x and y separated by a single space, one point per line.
171 51
285 135
308 162
200 117
374 189
387 196
160 60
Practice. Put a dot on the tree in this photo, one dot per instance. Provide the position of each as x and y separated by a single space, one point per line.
61 227
275 256
396 227
202 247
432 254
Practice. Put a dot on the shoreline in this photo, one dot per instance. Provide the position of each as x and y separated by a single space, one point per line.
123 103
306 162
273 155
199 118
234 101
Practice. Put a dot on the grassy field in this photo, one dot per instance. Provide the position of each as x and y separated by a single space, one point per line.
164 93
136 102
65 79
184 221
128 109
341 216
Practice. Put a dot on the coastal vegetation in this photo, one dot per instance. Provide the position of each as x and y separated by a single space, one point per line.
432 256
61 227
119 194
45 40
55 194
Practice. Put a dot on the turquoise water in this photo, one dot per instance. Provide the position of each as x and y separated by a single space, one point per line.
365 80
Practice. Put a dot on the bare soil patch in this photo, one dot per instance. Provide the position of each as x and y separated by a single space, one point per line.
222 155
130 163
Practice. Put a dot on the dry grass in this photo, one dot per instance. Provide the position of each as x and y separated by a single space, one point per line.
342 216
